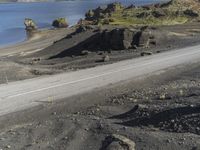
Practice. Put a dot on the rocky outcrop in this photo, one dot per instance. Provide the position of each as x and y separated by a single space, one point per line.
94 15
90 15
102 13
171 12
110 39
30 24
60 23
114 7
119 39
118 142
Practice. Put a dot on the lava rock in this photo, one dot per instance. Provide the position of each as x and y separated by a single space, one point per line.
191 13
118 142
60 23
30 24
117 39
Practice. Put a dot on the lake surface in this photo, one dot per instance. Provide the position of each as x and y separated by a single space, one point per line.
13 14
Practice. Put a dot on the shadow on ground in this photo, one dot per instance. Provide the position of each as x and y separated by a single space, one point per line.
179 119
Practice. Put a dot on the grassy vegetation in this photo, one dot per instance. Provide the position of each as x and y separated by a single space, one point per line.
127 18
176 12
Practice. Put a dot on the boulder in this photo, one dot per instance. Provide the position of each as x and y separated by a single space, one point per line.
117 142
30 24
60 23
146 53
144 38
101 13
114 7
158 13
106 58
191 13
117 39
85 52
90 15
95 14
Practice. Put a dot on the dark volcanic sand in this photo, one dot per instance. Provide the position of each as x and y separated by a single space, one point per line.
157 112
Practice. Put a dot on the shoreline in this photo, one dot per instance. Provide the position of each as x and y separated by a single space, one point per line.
40 39
13 43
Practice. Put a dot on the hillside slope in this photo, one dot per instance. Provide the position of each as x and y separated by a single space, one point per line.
168 13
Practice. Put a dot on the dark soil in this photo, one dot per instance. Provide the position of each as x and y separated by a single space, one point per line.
159 112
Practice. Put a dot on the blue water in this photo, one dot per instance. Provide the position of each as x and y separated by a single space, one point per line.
12 15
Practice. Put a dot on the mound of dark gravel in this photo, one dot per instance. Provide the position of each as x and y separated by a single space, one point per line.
178 119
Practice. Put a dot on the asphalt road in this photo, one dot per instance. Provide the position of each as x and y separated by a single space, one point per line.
21 95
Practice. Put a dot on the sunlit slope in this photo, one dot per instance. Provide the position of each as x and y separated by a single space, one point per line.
167 13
